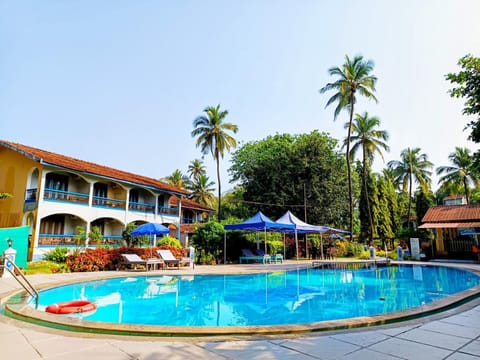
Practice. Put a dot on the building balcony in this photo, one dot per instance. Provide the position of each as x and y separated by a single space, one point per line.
71 240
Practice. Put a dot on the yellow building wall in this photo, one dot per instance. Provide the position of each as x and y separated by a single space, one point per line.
439 244
14 173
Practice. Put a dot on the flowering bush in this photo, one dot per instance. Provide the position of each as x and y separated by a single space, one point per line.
111 259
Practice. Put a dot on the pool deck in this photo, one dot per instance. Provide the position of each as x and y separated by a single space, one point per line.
453 334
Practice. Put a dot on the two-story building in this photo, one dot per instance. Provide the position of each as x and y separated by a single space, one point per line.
57 196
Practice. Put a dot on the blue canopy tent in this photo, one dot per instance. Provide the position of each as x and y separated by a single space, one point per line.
258 222
301 227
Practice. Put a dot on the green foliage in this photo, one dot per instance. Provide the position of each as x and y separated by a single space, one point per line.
275 247
467 86
134 240
233 207
423 201
212 135
95 235
57 255
458 177
169 241
208 240
353 249
413 167
45 267
81 236
288 170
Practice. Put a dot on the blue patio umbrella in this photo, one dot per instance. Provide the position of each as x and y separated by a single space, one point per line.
150 229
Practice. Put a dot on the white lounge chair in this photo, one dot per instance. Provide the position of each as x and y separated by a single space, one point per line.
168 258
134 260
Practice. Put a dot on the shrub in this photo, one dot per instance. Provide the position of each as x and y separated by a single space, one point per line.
354 249
57 255
276 247
169 241
341 248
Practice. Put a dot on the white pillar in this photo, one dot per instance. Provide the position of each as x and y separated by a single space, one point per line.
9 256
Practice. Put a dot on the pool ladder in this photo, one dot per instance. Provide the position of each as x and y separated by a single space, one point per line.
29 288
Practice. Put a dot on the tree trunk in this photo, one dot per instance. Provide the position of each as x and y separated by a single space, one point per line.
370 219
219 215
409 198
465 186
349 171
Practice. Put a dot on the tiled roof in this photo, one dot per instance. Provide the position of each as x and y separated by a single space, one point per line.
88 167
452 213
190 204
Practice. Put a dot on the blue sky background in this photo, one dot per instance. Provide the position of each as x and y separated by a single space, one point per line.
120 82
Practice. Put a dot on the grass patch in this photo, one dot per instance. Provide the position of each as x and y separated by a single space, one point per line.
44 267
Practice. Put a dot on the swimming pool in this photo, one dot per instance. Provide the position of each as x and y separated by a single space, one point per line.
301 296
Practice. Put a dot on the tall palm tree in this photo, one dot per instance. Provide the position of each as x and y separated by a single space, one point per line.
196 168
212 136
413 166
202 191
462 171
354 76
177 179
365 137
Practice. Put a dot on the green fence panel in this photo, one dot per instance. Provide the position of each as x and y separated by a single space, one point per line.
19 236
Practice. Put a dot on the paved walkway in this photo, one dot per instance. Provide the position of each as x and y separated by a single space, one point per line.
451 335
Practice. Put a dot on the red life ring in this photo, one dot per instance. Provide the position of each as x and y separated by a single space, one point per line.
71 307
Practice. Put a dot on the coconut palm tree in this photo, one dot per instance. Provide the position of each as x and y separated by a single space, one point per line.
196 168
413 166
202 191
177 179
213 136
461 173
353 77
368 139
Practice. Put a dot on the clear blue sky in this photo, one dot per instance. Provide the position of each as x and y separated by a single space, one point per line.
120 82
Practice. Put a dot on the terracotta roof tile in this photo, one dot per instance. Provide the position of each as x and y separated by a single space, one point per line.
452 213
190 204
88 167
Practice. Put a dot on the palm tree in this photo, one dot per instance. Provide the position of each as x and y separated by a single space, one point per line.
196 168
212 136
202 191
413 166
353 76
365 137
462 171
177 179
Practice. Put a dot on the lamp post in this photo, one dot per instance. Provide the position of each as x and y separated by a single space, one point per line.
9 242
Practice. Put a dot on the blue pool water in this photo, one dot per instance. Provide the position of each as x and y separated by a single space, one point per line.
291 297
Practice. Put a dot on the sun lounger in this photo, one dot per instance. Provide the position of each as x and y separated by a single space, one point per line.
134 260
249 256
168 258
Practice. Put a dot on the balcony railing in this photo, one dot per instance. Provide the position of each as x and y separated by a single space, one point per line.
187 220
58 240
165 210
65 196
142 207
70 240
108 203
98 201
